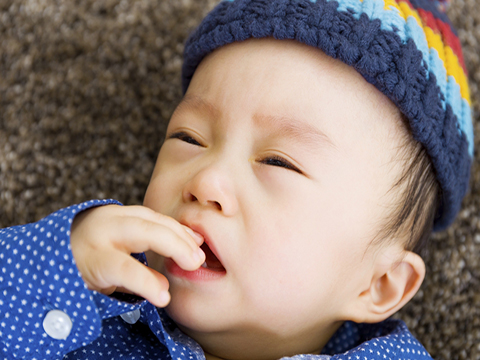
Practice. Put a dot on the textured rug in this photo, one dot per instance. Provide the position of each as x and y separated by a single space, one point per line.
86 90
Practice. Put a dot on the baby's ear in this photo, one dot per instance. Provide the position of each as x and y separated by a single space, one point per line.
390 289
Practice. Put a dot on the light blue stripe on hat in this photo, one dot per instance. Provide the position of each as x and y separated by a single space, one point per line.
466 125
462 110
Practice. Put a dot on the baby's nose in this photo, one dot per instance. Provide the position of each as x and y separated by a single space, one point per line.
214 189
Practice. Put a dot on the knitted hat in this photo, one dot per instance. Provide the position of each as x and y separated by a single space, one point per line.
406 48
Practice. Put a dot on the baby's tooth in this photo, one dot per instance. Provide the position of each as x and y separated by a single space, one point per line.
204 265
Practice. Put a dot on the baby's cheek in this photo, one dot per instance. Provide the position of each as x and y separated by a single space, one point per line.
282 279
285 289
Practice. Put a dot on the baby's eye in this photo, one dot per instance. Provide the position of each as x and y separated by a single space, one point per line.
279 161
184 137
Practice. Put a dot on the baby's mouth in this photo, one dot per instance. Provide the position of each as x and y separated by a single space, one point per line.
211 261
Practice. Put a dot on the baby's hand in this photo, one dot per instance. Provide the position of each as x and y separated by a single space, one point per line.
102 239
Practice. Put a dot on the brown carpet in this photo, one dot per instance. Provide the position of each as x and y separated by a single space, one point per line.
86 90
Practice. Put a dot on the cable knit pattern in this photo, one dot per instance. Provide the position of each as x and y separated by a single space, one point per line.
404 67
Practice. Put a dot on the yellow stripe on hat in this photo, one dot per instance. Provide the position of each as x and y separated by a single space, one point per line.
391 3
454 69
407 11
435 40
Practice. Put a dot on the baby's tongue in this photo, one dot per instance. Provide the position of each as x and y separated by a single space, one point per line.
212 261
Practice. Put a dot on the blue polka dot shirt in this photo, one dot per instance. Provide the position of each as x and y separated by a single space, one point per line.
47 312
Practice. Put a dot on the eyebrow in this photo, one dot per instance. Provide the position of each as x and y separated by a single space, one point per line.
292 128
282 126
194 102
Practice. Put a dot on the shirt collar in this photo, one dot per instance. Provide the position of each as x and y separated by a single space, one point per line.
389 339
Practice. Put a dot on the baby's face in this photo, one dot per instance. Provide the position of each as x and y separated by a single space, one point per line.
282 158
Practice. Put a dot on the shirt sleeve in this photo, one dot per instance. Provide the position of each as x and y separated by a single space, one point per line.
46 310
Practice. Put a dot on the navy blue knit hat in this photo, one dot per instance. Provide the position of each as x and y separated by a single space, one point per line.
406 48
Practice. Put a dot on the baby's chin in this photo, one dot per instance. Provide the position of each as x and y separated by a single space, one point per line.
194 320
239 340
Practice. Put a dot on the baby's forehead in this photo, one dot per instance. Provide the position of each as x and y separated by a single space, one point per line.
287 88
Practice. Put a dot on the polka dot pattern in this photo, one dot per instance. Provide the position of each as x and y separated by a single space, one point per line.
38 274
388 340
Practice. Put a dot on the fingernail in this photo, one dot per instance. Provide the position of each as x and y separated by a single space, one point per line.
199 255
194 234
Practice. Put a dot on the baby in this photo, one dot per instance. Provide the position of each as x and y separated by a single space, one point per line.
316 147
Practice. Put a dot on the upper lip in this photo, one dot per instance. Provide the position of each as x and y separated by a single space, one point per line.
207 239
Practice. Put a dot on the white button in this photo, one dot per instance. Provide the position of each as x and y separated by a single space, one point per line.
57 324
131 317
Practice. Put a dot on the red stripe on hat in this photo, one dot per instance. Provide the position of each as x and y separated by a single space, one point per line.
449 38
453 42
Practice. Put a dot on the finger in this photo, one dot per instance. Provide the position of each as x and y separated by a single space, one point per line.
151 215
138 235
107 291
199 239
134 277
121 289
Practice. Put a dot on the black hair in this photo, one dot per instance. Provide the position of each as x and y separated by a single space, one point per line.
412 216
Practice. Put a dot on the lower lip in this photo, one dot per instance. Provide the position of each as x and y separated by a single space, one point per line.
201 274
